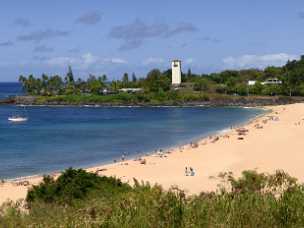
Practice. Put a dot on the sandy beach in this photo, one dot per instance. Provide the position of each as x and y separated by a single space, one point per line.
268 143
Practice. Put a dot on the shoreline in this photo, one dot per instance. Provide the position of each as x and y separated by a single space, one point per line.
205 99
151 153
129 169
194 105
23 183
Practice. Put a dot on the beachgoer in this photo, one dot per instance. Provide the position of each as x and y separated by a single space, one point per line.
192 173
186 171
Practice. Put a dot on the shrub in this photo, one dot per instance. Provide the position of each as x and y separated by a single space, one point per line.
73 184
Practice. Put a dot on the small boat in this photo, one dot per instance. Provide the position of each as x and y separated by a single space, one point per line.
17 119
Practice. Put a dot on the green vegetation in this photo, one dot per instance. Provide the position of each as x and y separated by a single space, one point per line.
80 199
73 185
157 85
170 98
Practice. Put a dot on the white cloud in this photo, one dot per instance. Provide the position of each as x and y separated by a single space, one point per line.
189 61
116 61
153 60
60 61
258 61
84 61
88 59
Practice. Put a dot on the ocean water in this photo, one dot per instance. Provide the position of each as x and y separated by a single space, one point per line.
56 138
8 89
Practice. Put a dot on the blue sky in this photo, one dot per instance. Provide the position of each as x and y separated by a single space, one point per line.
114 36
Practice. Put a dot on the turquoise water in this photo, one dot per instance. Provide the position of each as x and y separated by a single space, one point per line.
55 138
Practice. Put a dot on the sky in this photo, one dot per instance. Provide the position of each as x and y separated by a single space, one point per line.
112 37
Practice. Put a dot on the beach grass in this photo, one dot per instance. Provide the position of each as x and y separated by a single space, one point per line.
81 199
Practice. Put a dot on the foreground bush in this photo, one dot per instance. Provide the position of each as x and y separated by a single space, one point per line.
74 185
81 199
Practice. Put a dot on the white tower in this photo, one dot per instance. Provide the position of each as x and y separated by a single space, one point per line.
176 72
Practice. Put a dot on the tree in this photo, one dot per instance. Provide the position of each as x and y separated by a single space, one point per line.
104 78
94 85
125 79
31 85
301 89
256 89
22 80
81 85
134 79
55 85
241 89
294 75
115 85
231 84
156 82
272 72
70 76
272 90
189 73
70 89
201 85
45 80
221 88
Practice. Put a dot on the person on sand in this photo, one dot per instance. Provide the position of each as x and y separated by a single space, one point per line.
143 162
192 173
186 171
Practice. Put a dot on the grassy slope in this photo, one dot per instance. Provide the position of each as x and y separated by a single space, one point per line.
86 200
125 98
169 98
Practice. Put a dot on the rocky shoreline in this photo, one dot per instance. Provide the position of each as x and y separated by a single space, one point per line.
6 101
251 101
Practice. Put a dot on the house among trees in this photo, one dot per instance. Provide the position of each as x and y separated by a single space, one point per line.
130 90
272 81
269 81
251 82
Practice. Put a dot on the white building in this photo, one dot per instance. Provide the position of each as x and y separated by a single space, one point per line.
176 72
131 90
269 81
272 81
251 82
